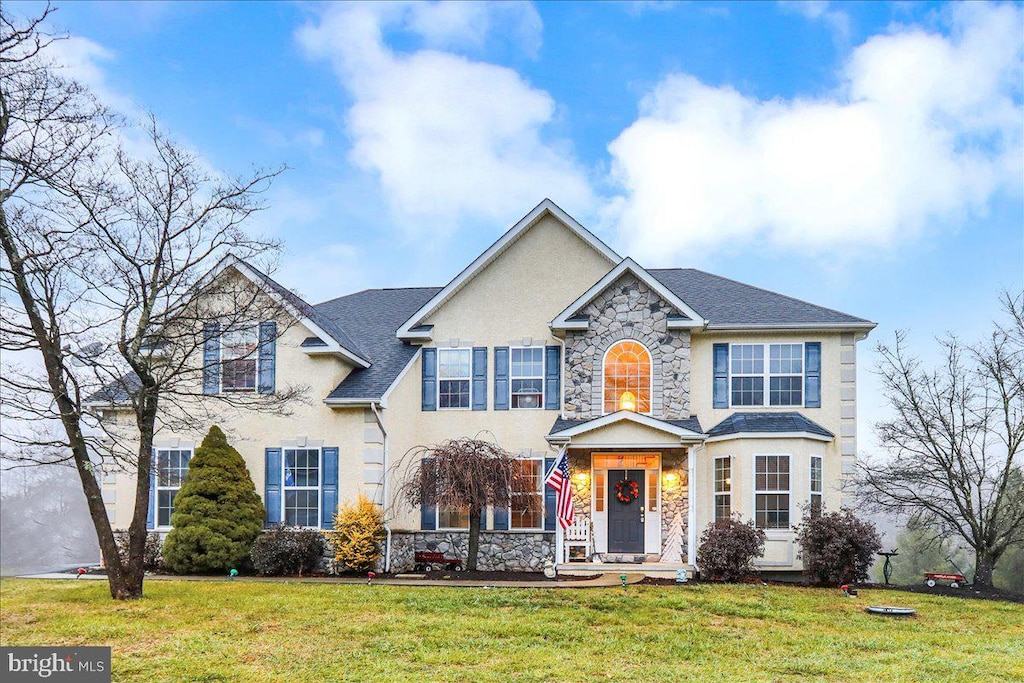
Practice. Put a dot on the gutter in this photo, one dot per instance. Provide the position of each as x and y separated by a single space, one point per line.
384 502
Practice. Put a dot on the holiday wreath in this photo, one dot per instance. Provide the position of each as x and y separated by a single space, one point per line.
626 491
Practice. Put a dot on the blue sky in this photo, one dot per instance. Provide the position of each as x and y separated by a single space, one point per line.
863 156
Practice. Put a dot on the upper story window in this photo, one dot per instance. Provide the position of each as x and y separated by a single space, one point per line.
171 468
240 360
777 382
527 377
454 371
627 378
302 487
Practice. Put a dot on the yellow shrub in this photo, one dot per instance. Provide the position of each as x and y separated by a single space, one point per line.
358 532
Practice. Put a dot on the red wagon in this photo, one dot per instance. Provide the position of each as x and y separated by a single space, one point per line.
427 561
955 580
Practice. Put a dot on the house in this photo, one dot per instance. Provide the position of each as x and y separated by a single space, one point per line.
681 398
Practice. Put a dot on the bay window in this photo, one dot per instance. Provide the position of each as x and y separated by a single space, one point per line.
723 488
771 491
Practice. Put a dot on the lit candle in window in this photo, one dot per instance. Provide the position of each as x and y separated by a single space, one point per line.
627 401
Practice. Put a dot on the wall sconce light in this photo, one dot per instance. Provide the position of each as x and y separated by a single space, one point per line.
581 478
627 401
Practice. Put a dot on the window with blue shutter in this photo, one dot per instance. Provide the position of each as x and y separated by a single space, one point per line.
428 362
500 518
812 374
272 490
329 488
267 357
721 380
428 515
549 497
501 378
552 377
211 358
479 378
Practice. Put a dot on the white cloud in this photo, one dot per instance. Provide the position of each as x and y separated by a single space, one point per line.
821 10
924 128
450 138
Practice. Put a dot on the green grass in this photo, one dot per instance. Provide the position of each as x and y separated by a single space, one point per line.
218 631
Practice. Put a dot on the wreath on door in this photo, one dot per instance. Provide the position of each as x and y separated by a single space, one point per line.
626 491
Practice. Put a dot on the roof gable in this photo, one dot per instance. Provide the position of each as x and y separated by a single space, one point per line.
569 319
413 329
687 431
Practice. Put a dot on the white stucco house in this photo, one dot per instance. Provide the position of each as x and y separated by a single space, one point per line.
702 396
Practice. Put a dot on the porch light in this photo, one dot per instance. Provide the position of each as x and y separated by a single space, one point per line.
671 478
580 478
627 401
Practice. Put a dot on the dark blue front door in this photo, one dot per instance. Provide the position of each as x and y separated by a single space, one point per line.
625 520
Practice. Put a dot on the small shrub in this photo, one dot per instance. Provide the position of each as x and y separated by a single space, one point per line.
288 550
358 532
837 547
727 550
151 557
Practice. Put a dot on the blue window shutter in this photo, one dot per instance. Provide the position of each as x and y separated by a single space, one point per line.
329 488
428 361
501 515
479 378
501 378
211 358
268 356
428 516
552 376
812 374
549 498
721 367
151 515
272 499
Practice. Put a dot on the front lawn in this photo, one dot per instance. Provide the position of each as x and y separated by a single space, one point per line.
220 631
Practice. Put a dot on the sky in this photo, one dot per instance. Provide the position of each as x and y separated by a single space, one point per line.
868 157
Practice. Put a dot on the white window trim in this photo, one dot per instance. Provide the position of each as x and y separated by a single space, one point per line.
157 488
438 527
222 361
767 375
450 379
714 485
320 478
542 377
810 480
539 493
788 492
604 359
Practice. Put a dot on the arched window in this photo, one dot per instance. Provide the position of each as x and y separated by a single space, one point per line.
627 378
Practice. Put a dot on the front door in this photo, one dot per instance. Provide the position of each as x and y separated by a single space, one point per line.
626 519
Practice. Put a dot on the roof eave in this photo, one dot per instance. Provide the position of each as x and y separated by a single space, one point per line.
770 435
791 327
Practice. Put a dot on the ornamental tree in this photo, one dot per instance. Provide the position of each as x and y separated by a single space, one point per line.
463 473
358 532
217 513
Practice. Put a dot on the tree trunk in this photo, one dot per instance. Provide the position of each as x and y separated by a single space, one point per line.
984 563
474 537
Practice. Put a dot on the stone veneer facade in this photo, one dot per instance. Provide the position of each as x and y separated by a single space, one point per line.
628 309
525 551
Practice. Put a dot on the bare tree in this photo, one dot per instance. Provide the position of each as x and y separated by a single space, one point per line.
956 440
467 474
114 267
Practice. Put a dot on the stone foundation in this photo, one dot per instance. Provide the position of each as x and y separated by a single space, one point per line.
523 551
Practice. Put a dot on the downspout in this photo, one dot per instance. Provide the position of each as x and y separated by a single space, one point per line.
384 501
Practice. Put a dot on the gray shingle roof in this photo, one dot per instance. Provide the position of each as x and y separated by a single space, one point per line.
117 392
724 302
691 423
371 318
767 422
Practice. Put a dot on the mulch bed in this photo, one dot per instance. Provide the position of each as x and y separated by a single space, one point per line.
446 575
966 592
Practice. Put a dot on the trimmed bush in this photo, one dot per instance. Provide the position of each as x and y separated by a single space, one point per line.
217 513
151 558
728 549
288 550
358 532
837 547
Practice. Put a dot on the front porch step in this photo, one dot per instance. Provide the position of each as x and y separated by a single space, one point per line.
656 570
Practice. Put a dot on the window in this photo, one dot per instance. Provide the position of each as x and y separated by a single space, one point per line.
627 378
171 468
816 485
453 518
527 378
599 478
302 487
238 351
771 491
780 382
528 502
454 369
723 488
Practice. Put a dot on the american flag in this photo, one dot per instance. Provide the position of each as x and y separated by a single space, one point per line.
558 479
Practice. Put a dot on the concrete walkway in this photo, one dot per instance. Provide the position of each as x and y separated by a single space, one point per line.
602 581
